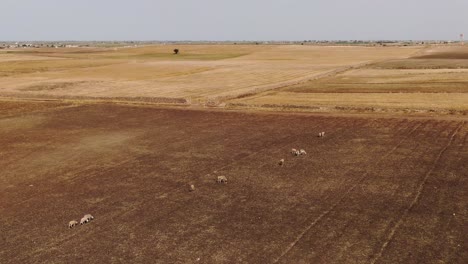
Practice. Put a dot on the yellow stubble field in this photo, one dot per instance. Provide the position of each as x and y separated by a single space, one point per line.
198 72
435 80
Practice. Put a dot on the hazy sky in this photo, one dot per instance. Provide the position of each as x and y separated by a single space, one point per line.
232 19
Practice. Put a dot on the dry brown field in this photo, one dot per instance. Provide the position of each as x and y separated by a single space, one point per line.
373 190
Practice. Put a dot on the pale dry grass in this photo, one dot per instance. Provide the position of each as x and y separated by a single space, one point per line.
18 68
430 81
199 72
5 57
422 101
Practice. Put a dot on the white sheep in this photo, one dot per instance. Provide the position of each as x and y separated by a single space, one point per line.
295 152
90 217
321 134
281 162
72 223
191 187
86 218
222 179
302 152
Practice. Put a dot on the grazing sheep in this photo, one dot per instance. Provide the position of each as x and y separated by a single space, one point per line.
222 179
90 217
72 223
86 218
295 152
302 152
321 134
281 162
191 187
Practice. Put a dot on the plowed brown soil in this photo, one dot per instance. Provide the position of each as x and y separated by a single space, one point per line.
373 190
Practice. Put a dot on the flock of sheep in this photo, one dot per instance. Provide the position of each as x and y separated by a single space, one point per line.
299 152
294 152
221 179
85 219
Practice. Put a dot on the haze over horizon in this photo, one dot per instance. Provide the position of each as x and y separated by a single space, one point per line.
221 20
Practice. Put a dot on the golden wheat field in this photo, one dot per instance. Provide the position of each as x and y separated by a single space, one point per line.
198 72
431 79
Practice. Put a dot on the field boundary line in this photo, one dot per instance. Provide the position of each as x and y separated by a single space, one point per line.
256 92
36 112
345 194
416 197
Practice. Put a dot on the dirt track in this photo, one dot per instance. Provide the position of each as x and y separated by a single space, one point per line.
372 191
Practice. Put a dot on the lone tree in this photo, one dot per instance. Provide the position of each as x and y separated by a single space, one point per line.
176 51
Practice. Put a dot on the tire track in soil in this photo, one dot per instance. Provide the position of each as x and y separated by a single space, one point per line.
461 147
110 217
335 125
322 158
397 127
416 197
345 194
128 161
54 244
330 241
446 127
